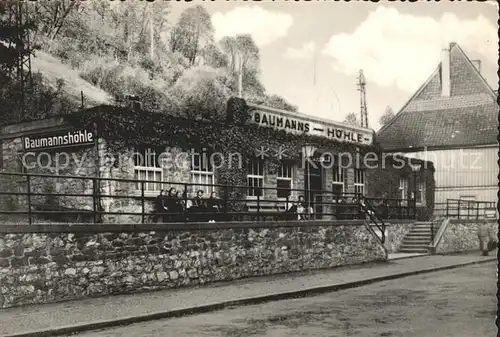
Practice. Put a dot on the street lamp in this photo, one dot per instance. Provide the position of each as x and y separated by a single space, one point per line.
308 151
415 168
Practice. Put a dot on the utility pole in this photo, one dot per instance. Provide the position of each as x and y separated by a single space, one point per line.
362 90
21 71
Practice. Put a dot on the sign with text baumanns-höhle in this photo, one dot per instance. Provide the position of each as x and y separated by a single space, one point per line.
58 139
302 124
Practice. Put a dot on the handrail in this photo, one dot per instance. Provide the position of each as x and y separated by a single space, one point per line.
368 209
468 209
345 206
439 234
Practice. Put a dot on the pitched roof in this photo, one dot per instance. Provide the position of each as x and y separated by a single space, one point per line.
468 117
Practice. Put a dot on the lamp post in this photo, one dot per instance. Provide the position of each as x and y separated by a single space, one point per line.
308 151
415 168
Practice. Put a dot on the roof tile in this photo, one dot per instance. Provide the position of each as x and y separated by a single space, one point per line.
468 117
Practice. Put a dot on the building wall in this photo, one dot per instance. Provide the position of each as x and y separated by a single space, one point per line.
464 172
386 179
82 162
75 161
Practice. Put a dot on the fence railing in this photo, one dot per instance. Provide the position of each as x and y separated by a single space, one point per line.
468 209
465 209
90 199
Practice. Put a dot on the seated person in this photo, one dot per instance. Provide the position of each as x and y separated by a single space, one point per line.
292 211
160 206
173 205
199 207
214 205
304 211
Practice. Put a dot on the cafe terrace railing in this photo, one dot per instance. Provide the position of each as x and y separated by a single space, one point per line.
465 209
325 204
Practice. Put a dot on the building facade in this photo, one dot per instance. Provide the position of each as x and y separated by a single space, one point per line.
452 121
320 172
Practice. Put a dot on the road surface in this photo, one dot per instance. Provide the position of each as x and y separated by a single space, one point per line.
456 303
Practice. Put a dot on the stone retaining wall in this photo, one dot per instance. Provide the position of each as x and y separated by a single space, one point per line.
47 263
395 233
461 235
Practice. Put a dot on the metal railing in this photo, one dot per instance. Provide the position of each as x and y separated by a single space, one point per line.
34 195
465 209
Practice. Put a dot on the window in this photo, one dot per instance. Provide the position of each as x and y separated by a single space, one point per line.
284 180
338 182
420 197
147 168
202 173
403 188
359 181
255 178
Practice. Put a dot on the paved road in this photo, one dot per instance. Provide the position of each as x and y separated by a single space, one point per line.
459 303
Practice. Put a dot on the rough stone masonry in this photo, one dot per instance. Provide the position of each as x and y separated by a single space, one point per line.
48 263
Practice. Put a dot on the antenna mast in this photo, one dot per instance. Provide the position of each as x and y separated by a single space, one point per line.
21 70
362 90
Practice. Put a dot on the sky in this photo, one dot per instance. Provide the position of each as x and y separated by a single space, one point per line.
311 52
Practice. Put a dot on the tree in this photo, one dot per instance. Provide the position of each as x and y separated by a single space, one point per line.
192 33
201 92
278 102
351 119
52 16
212 56
387 116
243 48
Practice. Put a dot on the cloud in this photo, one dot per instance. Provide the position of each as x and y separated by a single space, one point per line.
404 49
306 51
264 26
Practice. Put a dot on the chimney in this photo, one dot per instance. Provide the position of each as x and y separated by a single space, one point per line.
445 72
477 64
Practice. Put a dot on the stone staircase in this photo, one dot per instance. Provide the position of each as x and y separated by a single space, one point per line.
418 239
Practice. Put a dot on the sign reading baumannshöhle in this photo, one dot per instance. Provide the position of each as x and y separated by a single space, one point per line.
304 125
58 140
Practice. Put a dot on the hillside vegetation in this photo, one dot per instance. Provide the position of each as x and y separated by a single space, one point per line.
108 50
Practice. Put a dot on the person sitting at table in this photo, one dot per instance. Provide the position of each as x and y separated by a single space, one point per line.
292 211
199 207
186 203
173 205
161 207
304 211
214 205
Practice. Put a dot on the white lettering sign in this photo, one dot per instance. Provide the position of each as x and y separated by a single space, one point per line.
72 138
300 125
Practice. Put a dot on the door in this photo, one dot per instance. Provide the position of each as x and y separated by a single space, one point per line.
313 183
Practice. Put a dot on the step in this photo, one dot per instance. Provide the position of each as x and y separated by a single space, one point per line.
414 245
415 236
416 242
413 251
421 231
